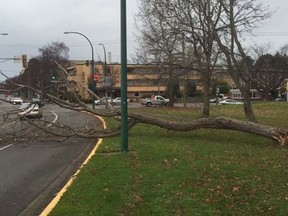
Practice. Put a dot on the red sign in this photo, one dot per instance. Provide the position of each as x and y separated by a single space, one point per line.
96 77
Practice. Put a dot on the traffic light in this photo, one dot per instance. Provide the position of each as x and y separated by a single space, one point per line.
53 77
24 61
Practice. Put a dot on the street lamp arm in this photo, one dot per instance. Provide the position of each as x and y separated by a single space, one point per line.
101 44
86 39
92 64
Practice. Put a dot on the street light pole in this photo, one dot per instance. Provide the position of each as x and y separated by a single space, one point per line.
92 65
105 66
124 111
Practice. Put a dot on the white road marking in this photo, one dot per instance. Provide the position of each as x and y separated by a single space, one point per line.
56 118
8 146
5 147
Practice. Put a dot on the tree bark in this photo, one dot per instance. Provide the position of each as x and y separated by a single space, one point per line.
277 134
247 103
206 105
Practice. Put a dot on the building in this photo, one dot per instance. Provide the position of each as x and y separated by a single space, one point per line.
142 80
237 95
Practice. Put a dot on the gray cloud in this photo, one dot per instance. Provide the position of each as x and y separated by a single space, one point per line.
33 24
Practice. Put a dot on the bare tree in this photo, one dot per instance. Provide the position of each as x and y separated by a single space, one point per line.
161 44
237 17
189 19
283 50
211 27
260 49
56 51
269 73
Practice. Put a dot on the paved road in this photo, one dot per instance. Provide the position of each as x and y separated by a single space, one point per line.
32 173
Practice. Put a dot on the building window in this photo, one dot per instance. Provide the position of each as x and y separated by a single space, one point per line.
108 70
72 72
83 77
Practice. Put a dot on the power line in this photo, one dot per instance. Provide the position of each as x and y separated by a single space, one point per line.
72 45
270 33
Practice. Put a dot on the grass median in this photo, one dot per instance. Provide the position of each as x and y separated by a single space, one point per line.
204 172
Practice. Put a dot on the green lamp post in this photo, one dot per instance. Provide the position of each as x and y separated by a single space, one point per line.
124 112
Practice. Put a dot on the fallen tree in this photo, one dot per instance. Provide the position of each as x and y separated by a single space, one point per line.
31 130
276 134
65 131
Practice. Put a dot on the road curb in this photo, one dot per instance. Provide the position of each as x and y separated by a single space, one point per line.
57 198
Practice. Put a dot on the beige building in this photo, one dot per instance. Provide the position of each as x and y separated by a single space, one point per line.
80 76
142 80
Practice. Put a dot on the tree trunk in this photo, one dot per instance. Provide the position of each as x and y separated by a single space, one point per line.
184 95
247 104
273 133
206 105
266 95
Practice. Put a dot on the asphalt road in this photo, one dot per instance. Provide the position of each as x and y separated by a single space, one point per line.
32 173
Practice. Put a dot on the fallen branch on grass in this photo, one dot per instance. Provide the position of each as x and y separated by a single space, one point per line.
276 134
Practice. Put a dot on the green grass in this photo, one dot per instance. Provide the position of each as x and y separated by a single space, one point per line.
204 172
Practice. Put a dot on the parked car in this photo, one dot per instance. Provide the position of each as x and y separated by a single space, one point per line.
102 100
117 101
9 98
157 100
218 99
30 110
16 100
97 101
229 101
214 100
280 99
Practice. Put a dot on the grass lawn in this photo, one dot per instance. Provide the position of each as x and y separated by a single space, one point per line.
204 172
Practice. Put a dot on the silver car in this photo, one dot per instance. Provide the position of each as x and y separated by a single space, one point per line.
16 100
103 100
30 110
229 101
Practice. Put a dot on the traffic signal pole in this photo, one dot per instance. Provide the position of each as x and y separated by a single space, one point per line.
124 112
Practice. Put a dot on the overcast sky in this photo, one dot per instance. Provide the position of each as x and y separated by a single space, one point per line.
32 24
